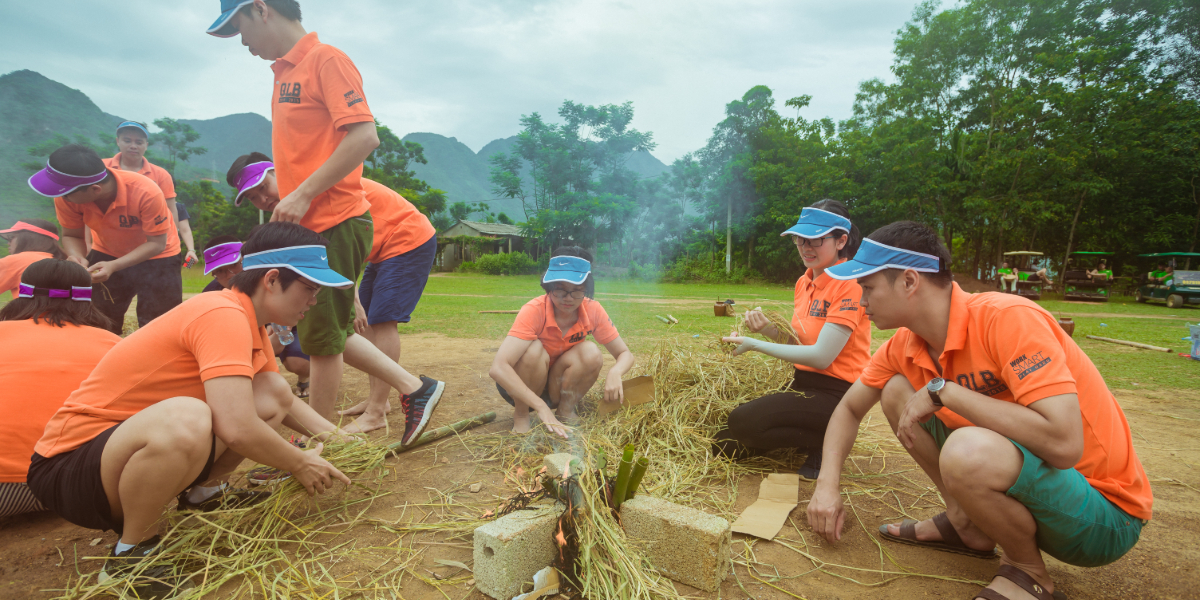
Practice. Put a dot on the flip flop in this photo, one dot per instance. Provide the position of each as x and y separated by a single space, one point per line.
1023 581
950 541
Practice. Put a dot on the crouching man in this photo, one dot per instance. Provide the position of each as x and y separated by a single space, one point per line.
1003 411
172 410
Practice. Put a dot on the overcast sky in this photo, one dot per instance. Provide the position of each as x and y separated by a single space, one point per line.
470 69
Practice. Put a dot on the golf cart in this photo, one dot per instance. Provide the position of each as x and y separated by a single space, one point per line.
1028 282
1078 284
1177 288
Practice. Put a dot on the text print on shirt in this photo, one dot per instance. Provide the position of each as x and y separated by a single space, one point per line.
129 221
352 97
1024 365
819 308
289 93
987 384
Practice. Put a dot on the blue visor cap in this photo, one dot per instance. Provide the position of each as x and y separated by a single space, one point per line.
222 27
873 257
310 262
815 223
134 125
570 269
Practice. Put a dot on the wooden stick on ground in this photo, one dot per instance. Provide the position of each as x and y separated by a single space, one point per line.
499 312
441 432
1127 343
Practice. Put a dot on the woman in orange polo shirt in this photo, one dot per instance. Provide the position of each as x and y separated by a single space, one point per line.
544 364
51 317
833 346
29 241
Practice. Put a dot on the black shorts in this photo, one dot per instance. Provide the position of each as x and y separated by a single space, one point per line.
70 484
156 283
509 399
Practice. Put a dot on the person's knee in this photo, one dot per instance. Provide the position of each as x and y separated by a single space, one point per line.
535 356
272 395
896 394
590 357
187 425
978 458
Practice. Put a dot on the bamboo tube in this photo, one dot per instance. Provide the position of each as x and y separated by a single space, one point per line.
1128 343
639 471
441 432
663 319
623 473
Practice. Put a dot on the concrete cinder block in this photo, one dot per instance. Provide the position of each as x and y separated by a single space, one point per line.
509 550
685 544
556 464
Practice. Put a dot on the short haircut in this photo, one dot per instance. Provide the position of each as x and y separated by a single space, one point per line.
270 237
29 241
855 236
288 9
589 284
221 239
55 274
81 161
239 163
910 235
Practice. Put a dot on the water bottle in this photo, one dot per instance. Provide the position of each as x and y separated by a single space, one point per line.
284 334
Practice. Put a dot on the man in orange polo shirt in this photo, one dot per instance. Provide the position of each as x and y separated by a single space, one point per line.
322 131
136 248
1000 408
171 411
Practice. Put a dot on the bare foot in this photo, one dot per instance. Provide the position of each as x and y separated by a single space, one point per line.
361 408
928 532
366 422
521 424
567 416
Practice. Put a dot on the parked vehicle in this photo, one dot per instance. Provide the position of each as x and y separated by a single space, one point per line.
1178 288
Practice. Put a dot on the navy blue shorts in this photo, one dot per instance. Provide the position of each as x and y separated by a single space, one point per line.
391 289
293 350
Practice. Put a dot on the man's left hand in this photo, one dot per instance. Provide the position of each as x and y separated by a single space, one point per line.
917 410
102 271
291 209
614 388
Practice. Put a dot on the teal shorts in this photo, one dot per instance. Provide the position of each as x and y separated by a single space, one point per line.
1075 523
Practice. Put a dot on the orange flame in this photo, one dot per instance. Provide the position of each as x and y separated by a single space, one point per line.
561 540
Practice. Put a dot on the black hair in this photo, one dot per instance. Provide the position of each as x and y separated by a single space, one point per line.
288 9
239 163
29 241
55 274
78 160
270 237
854 237
589 284
221 239
142 131
910 235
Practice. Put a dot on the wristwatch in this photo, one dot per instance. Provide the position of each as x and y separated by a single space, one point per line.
934 388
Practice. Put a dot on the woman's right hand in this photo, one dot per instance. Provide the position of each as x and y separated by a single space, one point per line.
552 423
756 321
315 473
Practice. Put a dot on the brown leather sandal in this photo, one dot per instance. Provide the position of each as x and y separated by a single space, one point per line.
950 541
1023 581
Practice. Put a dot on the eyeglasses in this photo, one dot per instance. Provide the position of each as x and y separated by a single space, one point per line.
562 294
799 241
313 290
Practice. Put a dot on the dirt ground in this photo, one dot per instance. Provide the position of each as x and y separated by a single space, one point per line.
36 550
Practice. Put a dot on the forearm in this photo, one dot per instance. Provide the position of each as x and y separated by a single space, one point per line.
185 236
624 363
361 139
819 355
1041 436
141 254
839 440
74 246
257 441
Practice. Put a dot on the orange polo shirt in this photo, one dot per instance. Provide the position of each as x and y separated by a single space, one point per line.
139 211
536 322
399 226
43 364
828 300
208 336
1008 348
149 170
13 265
318 92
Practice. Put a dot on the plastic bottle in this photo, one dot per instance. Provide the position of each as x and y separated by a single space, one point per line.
284 334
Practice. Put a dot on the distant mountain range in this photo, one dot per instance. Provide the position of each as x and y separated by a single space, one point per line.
36 108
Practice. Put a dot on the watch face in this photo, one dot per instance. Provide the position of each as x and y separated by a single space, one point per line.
936 385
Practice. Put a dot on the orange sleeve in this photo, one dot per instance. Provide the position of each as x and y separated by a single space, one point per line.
881 367
153 211
68 216
342 91
163 179
604 331
220 341
1032 360
10 274
530 322
843 305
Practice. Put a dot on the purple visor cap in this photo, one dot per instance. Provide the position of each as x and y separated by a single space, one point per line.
55 184
251 176
222 255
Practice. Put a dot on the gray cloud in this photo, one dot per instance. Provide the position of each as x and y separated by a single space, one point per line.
469 69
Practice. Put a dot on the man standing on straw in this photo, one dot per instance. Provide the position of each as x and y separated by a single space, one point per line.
322 130
1000 408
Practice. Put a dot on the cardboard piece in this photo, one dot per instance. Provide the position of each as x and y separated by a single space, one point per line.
639 390
776 499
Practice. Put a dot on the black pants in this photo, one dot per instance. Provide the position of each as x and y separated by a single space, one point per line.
156 283
795 418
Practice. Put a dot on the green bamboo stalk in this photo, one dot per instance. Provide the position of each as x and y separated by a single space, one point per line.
635 480
623 473
441 432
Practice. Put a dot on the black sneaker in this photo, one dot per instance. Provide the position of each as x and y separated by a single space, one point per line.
811 468
228 497
156 581
418 407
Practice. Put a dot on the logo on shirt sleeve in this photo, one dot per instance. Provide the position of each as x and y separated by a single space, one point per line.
848 304
352 97
159 220
1024 364
289 93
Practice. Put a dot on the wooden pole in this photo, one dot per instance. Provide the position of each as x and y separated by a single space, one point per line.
441 432
499 312
1127 343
